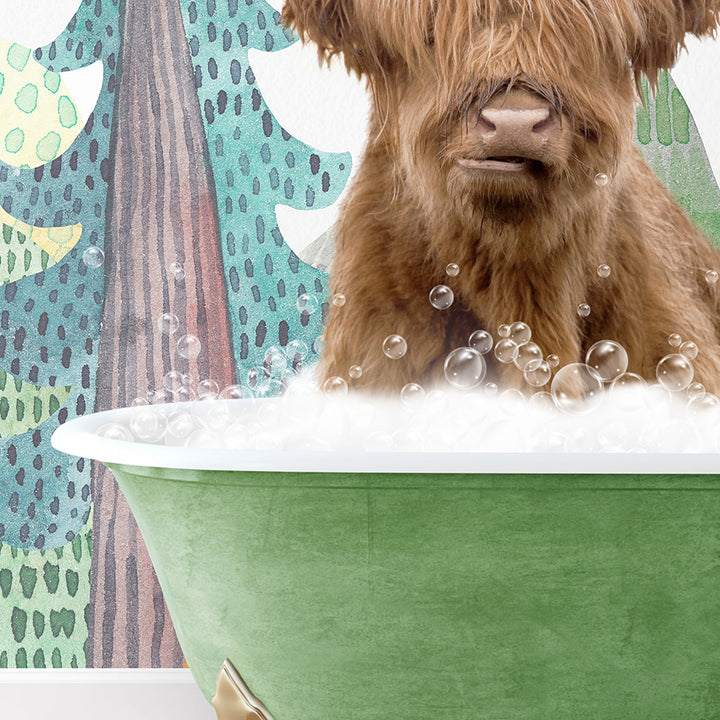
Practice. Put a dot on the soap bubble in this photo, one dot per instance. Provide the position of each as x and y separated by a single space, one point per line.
452 269
214 416
296 348
542 401
147 424
481 341
180 425
185 394
601 179
577 389
257 377
307 303
711 277
603 271
537 373
526 354
139 402
355 372
269 389
234 392
93 257
503 330
464 368
674 340
628 381
412 393
208 390
608 358
583 310
689 350
163 396
703 403
441 297
168 323
675 372
506 351
335 386
626 391
338 300
553 360
520 333
491 389
188 347
394 346
115 431
695 390
173 380
318 344
177 271
275 362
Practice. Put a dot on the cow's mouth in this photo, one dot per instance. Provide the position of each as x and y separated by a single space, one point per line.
500 163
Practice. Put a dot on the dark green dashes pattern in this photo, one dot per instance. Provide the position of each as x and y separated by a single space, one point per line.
257 165
24 406
50 319
44 605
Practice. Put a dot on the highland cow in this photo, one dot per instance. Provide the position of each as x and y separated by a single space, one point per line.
502 140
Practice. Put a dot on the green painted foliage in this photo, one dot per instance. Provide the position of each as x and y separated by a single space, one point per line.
23 406
671 145
45 608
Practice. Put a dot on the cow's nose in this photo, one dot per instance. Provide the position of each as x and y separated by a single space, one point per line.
517 122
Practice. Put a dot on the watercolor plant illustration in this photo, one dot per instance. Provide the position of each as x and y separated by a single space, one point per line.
160 200
56 110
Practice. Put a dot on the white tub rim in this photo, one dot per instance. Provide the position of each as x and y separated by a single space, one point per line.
78 437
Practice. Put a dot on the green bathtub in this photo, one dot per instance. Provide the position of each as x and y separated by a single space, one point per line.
342 588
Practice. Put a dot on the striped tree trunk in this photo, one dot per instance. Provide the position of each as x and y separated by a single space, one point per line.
161 210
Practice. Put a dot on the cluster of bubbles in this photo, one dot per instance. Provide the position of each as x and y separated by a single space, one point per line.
280 408
277 406
186 346
629 420
577 388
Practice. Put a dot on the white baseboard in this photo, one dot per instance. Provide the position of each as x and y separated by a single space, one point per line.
70 694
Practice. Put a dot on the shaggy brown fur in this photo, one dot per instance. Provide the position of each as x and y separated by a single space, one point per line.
528 243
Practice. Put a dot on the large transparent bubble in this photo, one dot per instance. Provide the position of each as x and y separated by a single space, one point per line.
608 358
464 368
675 372
394 346
577 389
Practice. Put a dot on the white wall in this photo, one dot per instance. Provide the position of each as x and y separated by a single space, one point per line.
101 695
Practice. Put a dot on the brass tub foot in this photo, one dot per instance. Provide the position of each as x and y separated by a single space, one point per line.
233 700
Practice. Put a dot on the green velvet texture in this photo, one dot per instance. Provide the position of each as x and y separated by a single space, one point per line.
419 597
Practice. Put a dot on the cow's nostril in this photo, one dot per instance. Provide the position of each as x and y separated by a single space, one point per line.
545 124
484 124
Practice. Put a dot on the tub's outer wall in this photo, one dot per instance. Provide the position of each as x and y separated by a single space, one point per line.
425 597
